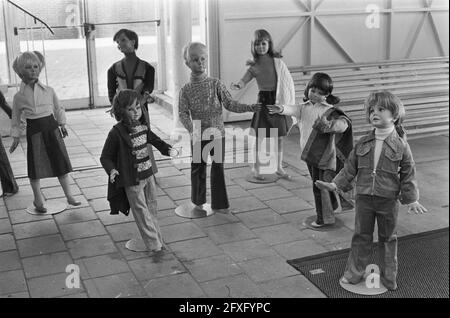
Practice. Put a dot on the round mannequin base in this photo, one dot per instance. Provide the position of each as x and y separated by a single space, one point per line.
191 211
362 289
328 227
136 245
52 208
268 178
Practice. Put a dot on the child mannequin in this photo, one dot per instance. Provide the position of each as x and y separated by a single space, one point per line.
125 158
276 86
325 139
46 155
384 169
132 73
202 100
9 184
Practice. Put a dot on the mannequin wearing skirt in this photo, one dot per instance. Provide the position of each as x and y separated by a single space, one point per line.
46 152
275 83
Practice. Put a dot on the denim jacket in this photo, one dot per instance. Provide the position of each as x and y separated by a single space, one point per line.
393 178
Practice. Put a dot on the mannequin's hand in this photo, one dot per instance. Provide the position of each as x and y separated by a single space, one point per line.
112 176
64 131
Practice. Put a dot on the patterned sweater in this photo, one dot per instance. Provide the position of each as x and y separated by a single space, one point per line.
138 137
202 100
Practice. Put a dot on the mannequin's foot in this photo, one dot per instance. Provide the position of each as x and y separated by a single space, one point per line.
257 175
39 207
73 202
283 174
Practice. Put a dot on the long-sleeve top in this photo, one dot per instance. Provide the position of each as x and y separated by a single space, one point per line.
35 103
201 101
264 72
142 79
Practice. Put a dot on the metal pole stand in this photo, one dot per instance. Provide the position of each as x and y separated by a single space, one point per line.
52 208
192 211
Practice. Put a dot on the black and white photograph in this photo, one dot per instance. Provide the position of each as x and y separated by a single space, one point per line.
224 155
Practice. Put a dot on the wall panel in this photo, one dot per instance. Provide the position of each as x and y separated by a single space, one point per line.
317 32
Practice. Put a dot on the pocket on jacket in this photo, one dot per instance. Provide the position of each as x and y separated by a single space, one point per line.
391 160
363 154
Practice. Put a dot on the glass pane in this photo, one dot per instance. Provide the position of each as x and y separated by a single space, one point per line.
107 52
66 62
3 58
111 16
65 50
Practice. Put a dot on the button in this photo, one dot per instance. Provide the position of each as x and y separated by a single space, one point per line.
133 152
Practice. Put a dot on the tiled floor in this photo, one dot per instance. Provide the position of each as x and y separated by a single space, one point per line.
225 255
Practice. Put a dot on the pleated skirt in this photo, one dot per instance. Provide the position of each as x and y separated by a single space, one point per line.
262 118
46 153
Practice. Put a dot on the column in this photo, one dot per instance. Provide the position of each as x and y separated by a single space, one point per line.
180 35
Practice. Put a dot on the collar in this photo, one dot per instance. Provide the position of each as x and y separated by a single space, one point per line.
393 140
198 78
123 133
383 133
38 84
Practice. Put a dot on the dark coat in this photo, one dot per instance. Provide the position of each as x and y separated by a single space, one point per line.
118 154
325 148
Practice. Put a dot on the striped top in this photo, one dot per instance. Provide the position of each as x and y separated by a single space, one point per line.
139 141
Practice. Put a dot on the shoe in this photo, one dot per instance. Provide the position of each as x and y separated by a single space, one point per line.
39 208
257 176
73 202
8 194
222 211
284 175
344 280
317 225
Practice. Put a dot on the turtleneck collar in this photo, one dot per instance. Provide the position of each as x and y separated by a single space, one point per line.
382 133
198 78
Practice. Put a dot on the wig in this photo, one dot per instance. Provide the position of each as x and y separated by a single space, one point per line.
26 58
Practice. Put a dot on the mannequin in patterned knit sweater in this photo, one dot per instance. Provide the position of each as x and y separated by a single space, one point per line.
200 102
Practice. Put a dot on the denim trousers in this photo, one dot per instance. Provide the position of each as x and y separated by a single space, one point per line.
200 151
325 201
8 182
384 211
142 198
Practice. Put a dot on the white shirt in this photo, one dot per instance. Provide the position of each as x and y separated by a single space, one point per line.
35 103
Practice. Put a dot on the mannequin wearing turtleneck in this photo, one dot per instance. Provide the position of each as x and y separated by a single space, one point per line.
380 135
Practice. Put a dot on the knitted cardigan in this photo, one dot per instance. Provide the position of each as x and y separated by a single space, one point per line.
285 88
